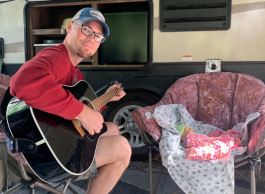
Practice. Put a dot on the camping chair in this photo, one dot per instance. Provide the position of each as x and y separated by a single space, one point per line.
211 98
30 182
23 178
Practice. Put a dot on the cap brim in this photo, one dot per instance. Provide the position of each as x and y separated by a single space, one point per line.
105 26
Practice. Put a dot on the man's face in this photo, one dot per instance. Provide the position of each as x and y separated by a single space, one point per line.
84 46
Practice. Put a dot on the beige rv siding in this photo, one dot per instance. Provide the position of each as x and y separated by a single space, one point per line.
244 41
12 31
236 2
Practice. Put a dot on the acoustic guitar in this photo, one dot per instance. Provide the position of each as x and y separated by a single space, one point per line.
64 147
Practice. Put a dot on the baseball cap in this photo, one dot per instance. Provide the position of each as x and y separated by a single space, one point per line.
88 14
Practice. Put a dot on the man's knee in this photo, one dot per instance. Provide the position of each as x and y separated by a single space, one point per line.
112 129
126 150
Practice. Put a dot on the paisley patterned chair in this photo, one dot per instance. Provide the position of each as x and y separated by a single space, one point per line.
220 99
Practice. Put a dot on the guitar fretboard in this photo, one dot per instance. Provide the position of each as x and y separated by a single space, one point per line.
104 99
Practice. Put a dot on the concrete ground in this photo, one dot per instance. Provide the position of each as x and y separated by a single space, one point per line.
135 180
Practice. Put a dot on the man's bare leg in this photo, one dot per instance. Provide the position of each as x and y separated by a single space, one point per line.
112 129
112 158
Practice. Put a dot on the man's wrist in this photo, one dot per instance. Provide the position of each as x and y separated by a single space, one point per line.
80 115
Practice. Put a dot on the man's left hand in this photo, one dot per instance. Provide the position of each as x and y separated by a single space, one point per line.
119 94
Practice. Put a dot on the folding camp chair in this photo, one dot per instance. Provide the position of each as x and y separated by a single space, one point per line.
30 182
210 98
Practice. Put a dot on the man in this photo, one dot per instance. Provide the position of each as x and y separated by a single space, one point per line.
39 83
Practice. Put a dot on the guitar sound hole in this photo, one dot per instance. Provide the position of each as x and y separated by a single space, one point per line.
86 101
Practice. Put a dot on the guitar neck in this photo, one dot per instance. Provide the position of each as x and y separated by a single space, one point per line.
104 99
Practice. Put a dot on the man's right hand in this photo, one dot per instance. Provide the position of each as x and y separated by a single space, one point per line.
91 120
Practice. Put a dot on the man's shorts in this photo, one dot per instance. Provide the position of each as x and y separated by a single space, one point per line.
92 172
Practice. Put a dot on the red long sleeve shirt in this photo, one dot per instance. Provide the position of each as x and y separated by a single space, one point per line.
39 83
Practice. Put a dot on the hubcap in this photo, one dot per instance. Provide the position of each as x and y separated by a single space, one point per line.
127 126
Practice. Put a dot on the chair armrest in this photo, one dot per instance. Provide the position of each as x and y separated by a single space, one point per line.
145 121
257 134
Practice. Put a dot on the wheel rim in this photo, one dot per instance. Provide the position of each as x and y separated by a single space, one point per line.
127 126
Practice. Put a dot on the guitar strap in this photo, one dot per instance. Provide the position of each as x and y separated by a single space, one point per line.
75 80
17 144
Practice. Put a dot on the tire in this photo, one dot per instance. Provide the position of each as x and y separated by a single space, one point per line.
119 112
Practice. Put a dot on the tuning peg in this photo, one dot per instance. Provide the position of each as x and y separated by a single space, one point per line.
119 84
116 82
121 88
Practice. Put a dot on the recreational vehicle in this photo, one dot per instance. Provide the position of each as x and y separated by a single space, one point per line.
152 44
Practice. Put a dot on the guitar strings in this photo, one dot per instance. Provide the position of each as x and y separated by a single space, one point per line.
98 103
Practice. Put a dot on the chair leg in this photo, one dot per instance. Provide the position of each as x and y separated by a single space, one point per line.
32 189
150 170
252 178
39 184
159 177
23 172
66 185
258 173
13 189
72 190
253 163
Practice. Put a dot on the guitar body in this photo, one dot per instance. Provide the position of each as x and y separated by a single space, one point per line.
61 151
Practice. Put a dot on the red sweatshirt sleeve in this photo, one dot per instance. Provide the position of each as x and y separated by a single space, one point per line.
39 83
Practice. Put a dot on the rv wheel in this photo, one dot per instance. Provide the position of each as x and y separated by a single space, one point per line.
119 112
